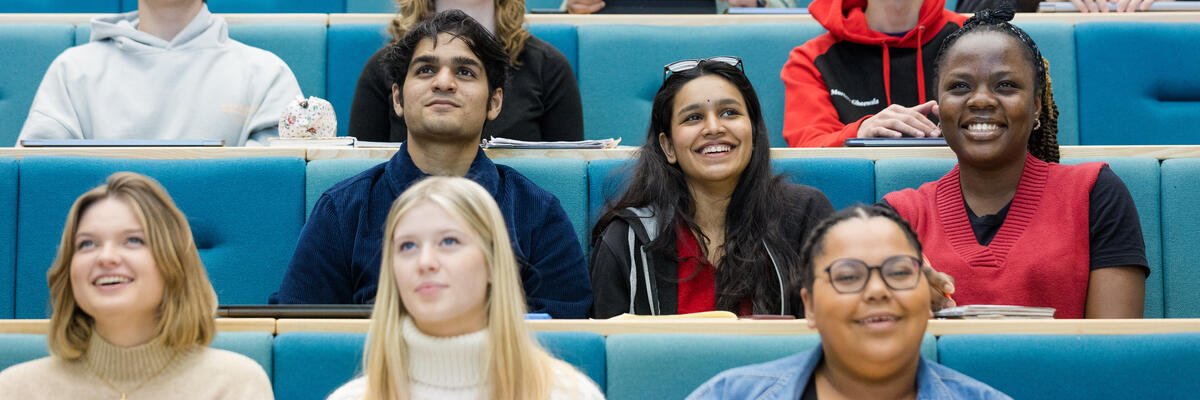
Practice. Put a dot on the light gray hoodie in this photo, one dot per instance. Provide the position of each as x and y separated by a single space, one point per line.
128 84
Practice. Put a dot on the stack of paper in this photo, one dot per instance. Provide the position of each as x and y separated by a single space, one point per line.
995 311
502 143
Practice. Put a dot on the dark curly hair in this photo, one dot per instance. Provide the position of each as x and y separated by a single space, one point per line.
483 44
1043 142
813 246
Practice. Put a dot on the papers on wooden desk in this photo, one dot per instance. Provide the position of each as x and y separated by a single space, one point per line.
503 143
992 311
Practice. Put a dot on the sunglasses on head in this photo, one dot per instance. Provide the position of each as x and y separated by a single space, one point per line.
684 65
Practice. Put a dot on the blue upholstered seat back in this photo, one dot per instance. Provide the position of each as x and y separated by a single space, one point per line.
8 234
310 365
1138 83
60 6
669 366
28 50
1181 222
245 215
18 348
1056 41
620 70
1158 366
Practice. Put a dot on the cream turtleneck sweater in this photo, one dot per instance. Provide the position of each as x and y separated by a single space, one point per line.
148 371
454 368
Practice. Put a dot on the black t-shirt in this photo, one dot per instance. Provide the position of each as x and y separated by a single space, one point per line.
541 101
1113 227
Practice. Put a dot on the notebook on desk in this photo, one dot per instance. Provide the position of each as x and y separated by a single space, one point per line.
894 142
122 143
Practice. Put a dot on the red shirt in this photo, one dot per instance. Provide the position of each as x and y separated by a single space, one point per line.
696 293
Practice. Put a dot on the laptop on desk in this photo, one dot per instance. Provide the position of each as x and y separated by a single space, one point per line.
659 7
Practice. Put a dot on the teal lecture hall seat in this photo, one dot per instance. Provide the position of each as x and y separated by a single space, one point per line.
38 45
1180 223
8 234
19 348
245 231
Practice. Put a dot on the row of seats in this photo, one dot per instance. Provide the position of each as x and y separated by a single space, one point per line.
310 365
246 213
227 6
1115 83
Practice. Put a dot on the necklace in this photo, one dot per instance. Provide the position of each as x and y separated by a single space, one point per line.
139 386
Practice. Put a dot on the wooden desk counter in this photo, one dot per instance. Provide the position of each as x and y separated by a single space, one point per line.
876 153
936 327
160 153
40 326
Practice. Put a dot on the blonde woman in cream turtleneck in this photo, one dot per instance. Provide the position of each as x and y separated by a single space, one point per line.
448 321
133 308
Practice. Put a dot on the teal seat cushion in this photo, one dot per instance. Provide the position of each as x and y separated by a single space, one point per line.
892 174
670 366
1161 366
1138 82
8 234
311 365
28 50
245 215
18 348
60 6
1181 217
350 46
845 181
371 6
620 70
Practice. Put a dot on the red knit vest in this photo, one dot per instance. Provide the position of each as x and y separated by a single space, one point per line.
1040 256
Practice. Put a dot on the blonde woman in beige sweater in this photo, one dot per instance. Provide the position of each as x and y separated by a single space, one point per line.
133 308
448 321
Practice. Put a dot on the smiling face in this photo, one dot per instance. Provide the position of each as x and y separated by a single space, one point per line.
113 271
441 271
987 99
875 333
711 136
445 95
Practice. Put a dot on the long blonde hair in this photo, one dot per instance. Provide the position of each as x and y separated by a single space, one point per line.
189 304
510 23
517 366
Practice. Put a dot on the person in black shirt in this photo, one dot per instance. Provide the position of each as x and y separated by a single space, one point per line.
541 101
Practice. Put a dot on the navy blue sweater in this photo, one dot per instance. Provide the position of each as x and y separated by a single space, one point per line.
338 255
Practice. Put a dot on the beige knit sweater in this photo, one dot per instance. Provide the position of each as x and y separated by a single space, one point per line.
200 373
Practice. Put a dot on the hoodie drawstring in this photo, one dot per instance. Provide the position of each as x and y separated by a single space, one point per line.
887 68
920 65
887 73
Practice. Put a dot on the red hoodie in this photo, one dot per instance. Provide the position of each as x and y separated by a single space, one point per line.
836 80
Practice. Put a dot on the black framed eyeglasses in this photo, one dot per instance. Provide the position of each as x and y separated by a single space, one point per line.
684 65
850 275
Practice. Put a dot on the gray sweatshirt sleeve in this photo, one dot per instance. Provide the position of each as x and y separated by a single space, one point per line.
280 87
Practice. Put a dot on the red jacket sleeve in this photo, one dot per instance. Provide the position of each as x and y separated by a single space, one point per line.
809 119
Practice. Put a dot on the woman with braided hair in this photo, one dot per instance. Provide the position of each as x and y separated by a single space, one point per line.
1009 223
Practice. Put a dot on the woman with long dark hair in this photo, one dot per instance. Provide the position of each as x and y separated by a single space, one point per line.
704 223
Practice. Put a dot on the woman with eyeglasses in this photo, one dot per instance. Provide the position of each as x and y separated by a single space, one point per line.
866 296
704 224
541 101
1009 223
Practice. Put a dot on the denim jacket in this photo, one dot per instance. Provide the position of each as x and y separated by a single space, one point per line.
786 378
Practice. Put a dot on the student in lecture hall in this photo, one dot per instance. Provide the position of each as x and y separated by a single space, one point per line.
1010 224
133 311
704 224
166 71
448 77
541 101
871 325
448 321
869 76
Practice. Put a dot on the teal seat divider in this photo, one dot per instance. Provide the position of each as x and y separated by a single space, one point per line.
1181 222
8 236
